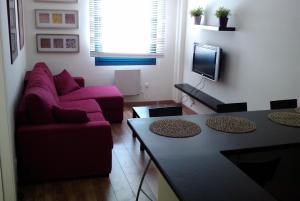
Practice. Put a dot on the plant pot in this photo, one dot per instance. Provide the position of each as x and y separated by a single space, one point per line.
223 21
198 19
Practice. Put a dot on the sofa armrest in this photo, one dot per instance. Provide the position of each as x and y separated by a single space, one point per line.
80 81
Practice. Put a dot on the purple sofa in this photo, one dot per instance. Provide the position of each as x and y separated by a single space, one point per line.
49 148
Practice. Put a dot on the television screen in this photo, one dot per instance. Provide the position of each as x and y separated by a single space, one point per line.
206 61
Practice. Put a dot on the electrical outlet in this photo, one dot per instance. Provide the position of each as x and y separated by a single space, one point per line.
146 84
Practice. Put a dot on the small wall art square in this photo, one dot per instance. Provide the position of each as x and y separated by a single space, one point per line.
57 1
12 26
56 19
52 43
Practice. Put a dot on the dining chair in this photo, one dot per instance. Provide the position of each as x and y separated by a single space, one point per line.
232 107
283 104
165 111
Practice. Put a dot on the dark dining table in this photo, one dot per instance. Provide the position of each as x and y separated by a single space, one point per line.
199 168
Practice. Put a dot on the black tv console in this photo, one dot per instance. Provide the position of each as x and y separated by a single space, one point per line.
200 96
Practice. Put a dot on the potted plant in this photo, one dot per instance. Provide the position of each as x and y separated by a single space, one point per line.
223 13
197 14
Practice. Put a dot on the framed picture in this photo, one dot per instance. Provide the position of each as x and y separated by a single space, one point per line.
12 27
57 1
63 19
52 43
21 23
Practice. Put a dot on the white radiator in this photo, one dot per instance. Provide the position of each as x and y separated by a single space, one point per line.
128 81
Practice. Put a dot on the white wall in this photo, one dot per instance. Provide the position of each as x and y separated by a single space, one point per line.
11 79
160 77
262 56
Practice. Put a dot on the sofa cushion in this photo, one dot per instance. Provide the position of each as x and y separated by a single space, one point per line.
96 116
40 78
89 105
107 96
65 83
39 104
46 69
42 66
70 115
21 114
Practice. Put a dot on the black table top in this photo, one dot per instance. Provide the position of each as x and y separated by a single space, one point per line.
195 167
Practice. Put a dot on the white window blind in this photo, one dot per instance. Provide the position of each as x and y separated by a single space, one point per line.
127 28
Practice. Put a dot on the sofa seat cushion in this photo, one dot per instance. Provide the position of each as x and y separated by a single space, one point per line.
96 116
109 97
70 115
89 105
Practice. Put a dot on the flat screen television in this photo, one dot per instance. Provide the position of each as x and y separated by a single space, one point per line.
206 61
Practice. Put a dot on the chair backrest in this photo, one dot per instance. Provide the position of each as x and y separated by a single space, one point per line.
283 104
165 111
232 107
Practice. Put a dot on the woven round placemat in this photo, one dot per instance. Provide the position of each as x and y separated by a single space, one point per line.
285 118
175 128
230 124
297 109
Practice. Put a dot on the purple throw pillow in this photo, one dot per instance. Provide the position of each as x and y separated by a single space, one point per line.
65 83
70 115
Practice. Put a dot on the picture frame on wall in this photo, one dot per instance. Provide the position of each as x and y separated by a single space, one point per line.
21 23
12 27
56 19
57 43
57 1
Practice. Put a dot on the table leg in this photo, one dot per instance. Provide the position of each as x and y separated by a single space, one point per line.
142 146
141 182
134 115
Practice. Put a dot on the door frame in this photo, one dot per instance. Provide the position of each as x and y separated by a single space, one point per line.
7 170
3 118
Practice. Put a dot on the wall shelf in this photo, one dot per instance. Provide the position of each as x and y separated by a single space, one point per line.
199 96
215 28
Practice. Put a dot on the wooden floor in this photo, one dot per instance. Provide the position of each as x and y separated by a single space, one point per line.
128 164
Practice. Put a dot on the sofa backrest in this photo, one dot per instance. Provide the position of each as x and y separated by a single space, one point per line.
41 76
39 104
39 98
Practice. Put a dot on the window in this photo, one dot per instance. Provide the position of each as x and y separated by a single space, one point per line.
131 30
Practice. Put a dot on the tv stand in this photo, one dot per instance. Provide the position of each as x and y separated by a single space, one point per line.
198 95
